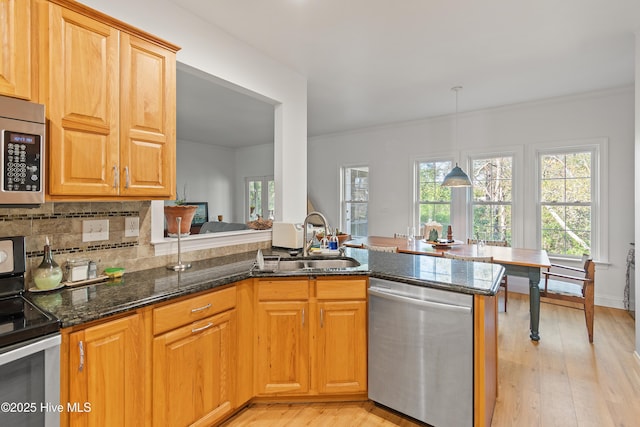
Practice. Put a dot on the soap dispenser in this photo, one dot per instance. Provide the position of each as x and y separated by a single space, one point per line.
48 275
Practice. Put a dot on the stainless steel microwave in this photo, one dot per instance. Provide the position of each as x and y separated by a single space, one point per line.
22 153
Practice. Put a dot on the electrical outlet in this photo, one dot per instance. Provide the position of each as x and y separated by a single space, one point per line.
131 226
95 229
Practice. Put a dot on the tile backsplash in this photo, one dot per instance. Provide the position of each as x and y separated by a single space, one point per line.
62 224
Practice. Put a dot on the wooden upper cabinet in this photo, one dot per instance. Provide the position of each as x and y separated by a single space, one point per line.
17 31
110 97
147 118
82 105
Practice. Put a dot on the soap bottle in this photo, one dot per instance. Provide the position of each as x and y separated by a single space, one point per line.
48 275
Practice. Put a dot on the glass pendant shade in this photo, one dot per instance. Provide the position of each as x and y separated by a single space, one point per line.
456 178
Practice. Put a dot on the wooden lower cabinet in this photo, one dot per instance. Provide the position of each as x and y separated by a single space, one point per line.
341 351
105 374
485 358
311 336
282 354
193 370
195 360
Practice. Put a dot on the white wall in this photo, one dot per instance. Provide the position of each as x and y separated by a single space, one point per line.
209 172
217 175
389 152
251 161
212 50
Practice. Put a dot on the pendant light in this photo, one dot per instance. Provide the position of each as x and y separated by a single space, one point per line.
457 177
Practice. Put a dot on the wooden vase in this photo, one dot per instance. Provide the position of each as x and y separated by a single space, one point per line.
186 212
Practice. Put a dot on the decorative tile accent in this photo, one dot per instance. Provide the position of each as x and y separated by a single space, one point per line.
61 222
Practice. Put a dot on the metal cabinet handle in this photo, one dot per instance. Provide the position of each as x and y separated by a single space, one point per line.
116 177
322 317
303 317
81 351
202 328
127 179
204 307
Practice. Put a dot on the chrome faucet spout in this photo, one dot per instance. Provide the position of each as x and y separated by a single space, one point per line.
325 223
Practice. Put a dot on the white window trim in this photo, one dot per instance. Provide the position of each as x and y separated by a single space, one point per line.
342 169
459 196
600 149
517 210
264 196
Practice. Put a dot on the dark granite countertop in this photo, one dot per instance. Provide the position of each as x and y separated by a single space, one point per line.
79 305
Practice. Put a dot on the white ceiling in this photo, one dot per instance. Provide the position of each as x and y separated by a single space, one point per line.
372 62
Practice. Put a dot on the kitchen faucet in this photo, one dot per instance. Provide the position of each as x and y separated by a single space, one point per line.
307 244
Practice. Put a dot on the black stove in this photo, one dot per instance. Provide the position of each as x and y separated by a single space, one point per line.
20 319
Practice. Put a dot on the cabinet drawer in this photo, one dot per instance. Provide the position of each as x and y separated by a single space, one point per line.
184 312
342 289
283 290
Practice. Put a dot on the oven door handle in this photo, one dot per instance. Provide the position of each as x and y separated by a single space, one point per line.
29 349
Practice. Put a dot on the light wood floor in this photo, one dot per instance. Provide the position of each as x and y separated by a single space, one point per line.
560 381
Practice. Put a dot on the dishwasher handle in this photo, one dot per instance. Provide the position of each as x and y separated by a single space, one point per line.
418 302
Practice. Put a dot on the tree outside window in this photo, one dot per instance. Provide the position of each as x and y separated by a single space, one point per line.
492 180
566 193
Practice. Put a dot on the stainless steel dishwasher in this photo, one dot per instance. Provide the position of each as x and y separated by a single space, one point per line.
421 352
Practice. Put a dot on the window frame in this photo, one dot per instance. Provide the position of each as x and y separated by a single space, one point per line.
516 189
599 198
264 195
343 201
453 202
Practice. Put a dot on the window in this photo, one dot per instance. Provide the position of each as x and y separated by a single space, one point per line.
355 200
434 201
492 201
261 197
567 182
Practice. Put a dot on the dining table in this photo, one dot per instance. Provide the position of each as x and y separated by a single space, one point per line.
522 262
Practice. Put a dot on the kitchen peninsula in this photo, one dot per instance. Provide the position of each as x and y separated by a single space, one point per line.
157 320
517 262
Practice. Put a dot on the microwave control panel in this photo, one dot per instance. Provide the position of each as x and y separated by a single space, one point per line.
22 162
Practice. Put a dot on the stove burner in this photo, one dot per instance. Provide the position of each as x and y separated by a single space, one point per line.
20 320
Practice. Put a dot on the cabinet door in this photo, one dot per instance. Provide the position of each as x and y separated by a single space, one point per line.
16 71
106 374
282 354
147 119
193 374
82 104
341 358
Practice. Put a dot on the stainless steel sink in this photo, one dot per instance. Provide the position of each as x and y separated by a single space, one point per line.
308 264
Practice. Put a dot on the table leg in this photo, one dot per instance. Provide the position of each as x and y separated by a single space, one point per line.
534 302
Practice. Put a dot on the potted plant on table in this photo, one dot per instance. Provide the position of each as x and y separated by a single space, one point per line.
179 209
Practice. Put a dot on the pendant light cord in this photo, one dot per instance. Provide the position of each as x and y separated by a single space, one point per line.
456 89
